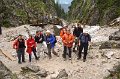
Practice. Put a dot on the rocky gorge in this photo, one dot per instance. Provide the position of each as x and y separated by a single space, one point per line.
102 56
100 18
94 12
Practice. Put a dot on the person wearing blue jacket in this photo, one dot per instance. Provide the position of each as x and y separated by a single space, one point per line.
50 41
84 40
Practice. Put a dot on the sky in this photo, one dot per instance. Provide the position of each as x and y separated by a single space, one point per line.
64 1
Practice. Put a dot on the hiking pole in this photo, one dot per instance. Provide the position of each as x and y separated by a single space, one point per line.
71 61
89 48
71 57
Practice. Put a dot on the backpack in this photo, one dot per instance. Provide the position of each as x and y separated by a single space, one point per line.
55 39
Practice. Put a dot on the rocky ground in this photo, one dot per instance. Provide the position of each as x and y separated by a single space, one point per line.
97 66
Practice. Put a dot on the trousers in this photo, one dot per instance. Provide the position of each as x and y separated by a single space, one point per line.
85 47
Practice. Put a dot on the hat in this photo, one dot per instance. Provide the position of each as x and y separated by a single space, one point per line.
48 31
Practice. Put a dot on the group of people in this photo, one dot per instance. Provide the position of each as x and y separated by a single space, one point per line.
34 44
79 37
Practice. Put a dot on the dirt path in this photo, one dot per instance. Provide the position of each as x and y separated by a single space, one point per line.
96 66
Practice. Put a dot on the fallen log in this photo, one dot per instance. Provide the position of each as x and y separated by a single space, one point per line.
8 55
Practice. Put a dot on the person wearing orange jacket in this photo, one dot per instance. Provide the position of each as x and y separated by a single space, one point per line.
31 47
19 45
68 40
63 31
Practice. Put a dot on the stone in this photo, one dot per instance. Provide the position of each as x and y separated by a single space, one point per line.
32 68
117 55
42 73
5 73
62 74
57 29
115 36
105 45
109 54
110 45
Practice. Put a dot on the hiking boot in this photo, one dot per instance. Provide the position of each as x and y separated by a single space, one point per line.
78 58
38 58
74 50
70 58
63 55
50 57
84 60
57 55
19 62
67 54
64 59
23 61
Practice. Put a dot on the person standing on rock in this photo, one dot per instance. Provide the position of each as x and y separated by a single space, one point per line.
19 45
39 38
84 40
77 31
50 41
31 47
68 40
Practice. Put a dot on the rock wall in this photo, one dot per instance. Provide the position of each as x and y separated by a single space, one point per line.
18 12
94 12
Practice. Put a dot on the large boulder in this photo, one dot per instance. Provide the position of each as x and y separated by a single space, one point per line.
108 54
42 73
62 74
110 45
57 29
115 36
35 70
31 68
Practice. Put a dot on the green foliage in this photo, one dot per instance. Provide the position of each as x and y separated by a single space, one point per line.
60 11
6 23
17 12
83 11
37 5
21 13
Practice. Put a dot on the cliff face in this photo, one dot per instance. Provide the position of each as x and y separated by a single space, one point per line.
17 12
94 12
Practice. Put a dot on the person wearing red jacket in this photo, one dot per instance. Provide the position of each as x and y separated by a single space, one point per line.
19 45
31 47
68 40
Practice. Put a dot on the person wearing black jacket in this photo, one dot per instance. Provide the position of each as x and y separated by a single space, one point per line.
39 38
19 45
77 31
